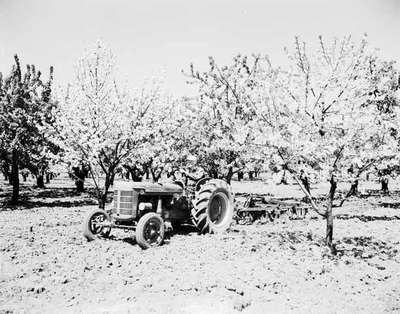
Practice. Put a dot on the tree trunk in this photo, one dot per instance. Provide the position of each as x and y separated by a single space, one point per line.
80 186
229 175
14 177
40 181
133 173
79 175
102 198
5 169
385 185
48 176
6 176
146 169
136 176
284 179
213 173
251 175
156 174
354 188
329 216
306 183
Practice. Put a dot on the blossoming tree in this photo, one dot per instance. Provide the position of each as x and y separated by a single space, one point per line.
222 113
100 123
321 118
26 118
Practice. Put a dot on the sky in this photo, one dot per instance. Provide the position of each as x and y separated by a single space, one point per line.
150 37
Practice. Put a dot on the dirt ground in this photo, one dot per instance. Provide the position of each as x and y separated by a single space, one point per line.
282 267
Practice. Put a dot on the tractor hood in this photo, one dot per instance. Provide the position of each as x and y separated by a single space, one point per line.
148 187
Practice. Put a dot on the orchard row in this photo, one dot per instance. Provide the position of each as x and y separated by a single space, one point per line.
329 113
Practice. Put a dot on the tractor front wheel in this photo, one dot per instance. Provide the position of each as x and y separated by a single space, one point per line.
94 225
150 231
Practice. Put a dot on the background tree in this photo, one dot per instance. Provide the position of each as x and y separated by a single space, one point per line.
166 148
221 114
320 116
100 123
42 157
26 110
387 99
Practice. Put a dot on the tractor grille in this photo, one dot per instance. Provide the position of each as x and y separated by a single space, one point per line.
125 202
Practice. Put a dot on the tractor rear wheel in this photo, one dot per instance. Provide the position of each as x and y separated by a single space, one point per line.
213 207
150 231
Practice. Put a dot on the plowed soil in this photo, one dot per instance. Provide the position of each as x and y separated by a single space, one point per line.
282 267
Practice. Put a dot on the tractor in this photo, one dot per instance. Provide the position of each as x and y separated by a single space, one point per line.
149 209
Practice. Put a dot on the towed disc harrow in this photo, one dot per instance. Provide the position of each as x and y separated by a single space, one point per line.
253 208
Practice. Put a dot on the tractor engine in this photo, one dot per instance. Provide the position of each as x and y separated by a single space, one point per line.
125 203
134 199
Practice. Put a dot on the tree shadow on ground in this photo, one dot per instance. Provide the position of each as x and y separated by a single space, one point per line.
363 247
295 237
26 203
378 193
56 193
366 218
31 197
395 205
366 247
